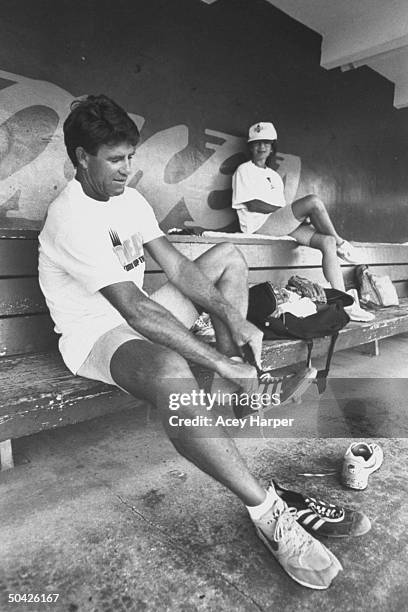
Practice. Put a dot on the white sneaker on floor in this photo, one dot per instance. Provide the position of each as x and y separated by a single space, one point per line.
355 312
304 558
360 460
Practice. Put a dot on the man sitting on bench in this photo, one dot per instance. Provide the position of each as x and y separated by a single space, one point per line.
258 197
91 271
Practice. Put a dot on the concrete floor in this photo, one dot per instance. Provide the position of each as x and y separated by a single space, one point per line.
106 514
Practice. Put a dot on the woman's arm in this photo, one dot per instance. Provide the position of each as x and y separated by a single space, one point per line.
259 206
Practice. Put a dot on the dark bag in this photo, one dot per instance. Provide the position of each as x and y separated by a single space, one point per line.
328 321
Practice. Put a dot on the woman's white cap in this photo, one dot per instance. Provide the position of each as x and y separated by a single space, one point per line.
262 131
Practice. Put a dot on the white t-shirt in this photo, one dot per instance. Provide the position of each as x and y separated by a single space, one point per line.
250 182
86 245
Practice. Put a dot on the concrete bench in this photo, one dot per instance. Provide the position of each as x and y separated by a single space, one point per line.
37 391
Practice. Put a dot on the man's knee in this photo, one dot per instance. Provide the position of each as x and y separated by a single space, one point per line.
132 369
169 364
221 260
232 256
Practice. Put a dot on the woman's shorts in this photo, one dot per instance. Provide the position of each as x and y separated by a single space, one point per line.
282 222
97 364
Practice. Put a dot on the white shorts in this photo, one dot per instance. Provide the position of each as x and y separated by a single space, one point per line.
97 364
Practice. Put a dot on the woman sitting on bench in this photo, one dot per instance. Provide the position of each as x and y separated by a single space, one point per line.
258 197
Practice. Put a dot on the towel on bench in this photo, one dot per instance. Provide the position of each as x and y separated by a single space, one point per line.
239 236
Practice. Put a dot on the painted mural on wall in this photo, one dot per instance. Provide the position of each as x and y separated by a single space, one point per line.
186 188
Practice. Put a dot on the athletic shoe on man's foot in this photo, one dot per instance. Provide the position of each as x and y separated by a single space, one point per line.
361 460
289 388
280 389
324 519
348 253
304 558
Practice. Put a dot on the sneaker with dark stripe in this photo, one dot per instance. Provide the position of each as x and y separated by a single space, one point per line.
303 558
288 388
281 390
322 518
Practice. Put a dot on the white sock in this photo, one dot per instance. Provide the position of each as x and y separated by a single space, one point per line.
221 384
233 358
255 512
217 377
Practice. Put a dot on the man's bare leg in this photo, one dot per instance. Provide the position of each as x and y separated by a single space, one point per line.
225 266
153 372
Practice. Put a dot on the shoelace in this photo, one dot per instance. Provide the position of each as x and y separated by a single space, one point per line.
267 377
324 509
285 524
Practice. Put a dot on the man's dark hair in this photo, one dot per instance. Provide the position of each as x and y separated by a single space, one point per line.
97 121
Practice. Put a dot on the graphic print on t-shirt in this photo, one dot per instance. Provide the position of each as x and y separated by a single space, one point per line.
130 251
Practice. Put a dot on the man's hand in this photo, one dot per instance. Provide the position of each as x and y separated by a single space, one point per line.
243 332
243 374
192 280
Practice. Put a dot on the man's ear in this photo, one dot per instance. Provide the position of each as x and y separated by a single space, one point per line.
82 157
